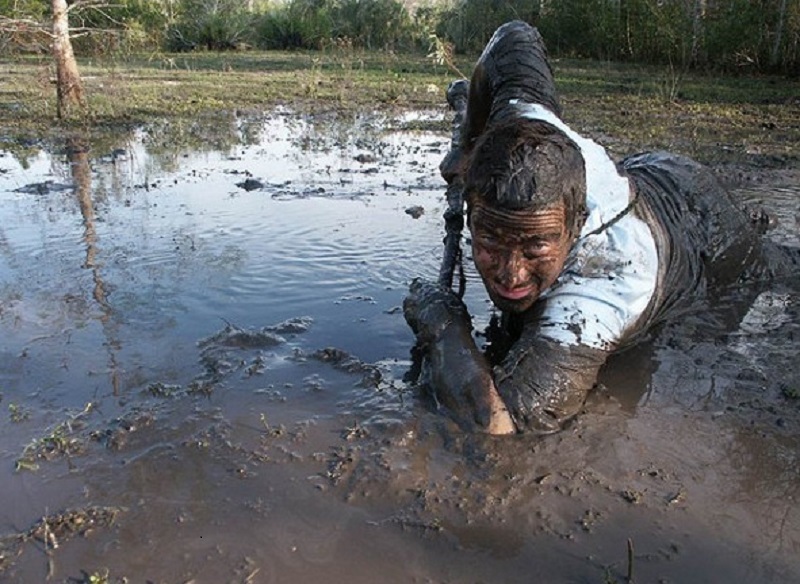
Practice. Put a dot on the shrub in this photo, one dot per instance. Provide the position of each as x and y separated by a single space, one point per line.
373 24
219 25
311 24
298 24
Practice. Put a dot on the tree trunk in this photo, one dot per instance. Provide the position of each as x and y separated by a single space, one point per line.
698 30
68 81
775 57
625 28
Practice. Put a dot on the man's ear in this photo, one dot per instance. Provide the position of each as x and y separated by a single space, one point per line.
581 213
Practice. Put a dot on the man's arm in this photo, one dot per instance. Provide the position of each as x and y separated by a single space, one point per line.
544 383
540 384
458 373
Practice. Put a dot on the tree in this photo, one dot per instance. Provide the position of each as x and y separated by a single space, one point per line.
27 21
69 87
698 17
775 55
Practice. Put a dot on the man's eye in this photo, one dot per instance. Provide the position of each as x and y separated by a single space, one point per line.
487 240
535 248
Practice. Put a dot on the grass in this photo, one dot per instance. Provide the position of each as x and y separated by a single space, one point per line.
626 107
185 85
790 392
60 440
18 413
53 530
713 119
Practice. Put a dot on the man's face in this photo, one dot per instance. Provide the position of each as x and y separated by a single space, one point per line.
519 254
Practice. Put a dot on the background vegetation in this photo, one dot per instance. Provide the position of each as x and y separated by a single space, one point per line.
719 35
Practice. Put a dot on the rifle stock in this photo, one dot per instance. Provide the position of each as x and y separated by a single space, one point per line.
457 93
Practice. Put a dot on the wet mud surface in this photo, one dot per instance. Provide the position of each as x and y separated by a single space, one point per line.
201 380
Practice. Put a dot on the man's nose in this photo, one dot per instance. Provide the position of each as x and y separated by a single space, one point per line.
514 272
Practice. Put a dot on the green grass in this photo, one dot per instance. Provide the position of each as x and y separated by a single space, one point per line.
711 118
626 107
62 439
184 85
790 392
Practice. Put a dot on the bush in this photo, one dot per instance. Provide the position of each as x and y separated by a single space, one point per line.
311 24
373 24
732 35
220 25
298 24
737 35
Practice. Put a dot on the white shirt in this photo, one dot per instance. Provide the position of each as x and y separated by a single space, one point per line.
609 277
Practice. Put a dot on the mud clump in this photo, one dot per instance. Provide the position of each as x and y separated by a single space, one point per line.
343 361
221 352
53 530
43 188
117 435
416 211
250 184
296 325
365 158
237 338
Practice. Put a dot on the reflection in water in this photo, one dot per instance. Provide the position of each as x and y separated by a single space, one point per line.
173 247
325 228
78 159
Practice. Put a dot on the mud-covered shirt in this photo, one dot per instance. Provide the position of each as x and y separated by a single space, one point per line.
611 272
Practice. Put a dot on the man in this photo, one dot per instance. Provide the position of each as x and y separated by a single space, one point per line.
582 256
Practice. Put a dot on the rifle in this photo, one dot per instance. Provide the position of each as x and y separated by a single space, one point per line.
457 94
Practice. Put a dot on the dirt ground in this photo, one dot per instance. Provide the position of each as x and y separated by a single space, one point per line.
201 380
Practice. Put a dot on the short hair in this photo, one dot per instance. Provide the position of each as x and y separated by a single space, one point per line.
522 164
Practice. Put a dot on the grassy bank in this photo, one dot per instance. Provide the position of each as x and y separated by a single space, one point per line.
626 107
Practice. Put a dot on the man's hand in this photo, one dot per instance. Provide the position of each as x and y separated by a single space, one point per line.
459 374
429 309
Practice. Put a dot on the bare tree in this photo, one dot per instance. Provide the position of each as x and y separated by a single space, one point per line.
699 9
28 22
34 27
68 80
775 55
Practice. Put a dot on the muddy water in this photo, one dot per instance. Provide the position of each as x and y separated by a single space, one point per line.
192 310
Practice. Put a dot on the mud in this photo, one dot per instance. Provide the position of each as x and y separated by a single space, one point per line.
211 377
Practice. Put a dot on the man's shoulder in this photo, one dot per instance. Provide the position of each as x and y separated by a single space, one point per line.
607 284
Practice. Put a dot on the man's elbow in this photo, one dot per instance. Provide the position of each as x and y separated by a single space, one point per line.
547 386
539 414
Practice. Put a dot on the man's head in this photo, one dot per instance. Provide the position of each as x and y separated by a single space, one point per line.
525 187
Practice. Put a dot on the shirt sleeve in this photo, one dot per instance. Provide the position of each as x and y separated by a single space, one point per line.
544 383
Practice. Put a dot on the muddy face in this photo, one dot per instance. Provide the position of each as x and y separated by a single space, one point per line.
519 254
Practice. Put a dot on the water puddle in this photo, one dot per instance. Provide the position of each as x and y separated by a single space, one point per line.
202 351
